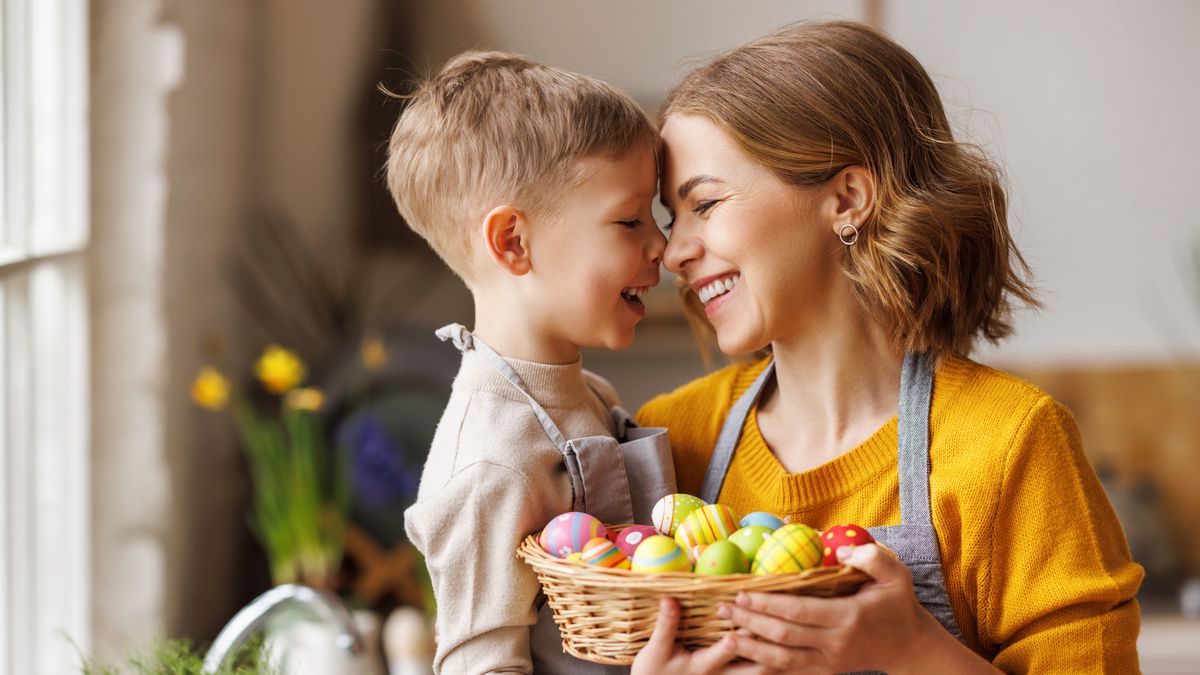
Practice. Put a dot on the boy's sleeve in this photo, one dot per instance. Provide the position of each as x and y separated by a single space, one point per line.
468 532
1059 587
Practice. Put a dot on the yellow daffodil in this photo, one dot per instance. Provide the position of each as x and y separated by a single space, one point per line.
279 369
305 398
211 389
373 354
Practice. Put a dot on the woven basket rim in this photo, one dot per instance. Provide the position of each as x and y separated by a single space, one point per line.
533 554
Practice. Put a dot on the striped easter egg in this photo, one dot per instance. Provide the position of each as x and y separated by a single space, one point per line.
671 510
569 532
603 553
705 525
791 548
660 554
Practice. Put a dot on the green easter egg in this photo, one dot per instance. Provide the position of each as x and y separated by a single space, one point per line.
722 557
750 539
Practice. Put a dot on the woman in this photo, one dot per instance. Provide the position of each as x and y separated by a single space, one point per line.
823 211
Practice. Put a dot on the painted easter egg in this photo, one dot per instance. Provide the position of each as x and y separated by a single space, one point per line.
577 556
568 532
791 548
762 518
632 536
842 535
603 553
750 538
695 552
671 510
705 525
722 557
660 554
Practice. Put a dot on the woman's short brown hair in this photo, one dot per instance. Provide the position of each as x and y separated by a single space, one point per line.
934 263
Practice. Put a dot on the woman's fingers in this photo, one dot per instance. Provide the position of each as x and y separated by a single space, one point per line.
882 565
771 627
777 657
819 612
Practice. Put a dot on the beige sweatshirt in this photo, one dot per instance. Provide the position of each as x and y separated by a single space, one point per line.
493 477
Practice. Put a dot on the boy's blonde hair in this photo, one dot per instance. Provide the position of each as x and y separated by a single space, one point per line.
494 128
935 263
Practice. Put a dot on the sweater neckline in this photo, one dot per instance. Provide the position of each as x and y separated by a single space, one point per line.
552 385
835 479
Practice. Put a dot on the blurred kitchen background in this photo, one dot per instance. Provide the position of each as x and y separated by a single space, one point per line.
188 181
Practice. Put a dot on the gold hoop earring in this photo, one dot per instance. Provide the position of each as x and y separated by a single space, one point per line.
848 238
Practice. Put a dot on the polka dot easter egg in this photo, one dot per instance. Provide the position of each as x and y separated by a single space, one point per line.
568 532
695 552
791 548
601 552
671 510
842 535
750 538
706 525
660 554
629 538
762 518
722 557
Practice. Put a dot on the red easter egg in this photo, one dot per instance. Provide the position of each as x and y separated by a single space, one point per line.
631 537
842 535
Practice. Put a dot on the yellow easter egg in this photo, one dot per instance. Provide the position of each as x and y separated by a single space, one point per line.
791 548
660 554
705 525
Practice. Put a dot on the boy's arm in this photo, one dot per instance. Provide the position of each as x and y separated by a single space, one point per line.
469 531
1059 583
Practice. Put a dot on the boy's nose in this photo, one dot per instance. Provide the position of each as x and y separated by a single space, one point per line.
656 246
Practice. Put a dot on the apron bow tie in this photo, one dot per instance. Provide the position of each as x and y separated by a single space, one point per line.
458 335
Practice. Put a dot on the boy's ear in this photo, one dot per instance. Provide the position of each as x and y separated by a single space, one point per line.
505 231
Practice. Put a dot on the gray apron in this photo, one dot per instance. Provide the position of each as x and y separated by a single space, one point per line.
914 539
617 480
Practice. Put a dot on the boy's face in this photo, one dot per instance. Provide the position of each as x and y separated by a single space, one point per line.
603 250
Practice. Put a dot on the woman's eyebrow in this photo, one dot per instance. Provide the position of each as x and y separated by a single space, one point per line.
691 183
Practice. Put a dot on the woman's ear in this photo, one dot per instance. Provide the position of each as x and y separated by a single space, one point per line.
854 189
505 233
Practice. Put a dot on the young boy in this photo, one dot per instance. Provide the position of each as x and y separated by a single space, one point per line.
534 185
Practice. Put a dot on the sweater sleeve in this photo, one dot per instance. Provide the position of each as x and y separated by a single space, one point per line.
1059 580
469 531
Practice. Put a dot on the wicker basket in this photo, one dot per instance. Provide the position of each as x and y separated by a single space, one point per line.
606 615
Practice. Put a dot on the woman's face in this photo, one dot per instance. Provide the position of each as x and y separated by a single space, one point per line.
761 254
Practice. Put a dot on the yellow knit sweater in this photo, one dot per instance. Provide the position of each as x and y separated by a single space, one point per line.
1036 564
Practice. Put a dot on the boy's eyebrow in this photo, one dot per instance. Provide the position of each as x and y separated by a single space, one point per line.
691 183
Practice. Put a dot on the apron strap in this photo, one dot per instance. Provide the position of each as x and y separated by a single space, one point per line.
460 337
731 433
916 394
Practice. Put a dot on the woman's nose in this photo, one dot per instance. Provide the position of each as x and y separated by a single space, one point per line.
681 249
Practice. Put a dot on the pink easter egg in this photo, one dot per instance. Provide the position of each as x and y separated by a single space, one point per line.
630 537
569 532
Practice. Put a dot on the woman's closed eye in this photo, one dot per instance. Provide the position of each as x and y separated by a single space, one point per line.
704 206
630 224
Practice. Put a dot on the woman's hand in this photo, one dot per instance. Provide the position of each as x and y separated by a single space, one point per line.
881 627
663 656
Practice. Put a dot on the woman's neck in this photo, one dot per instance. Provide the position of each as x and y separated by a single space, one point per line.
834 387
